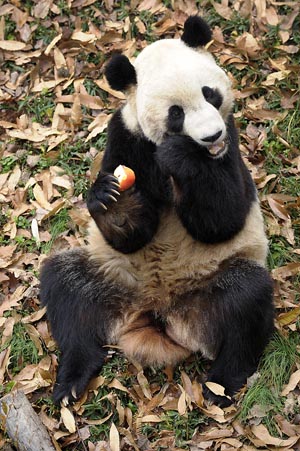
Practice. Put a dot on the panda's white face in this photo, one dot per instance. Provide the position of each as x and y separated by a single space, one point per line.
180 90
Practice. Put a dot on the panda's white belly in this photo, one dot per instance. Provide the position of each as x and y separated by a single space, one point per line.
174 262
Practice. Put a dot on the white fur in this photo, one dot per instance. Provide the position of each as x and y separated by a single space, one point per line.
177 255
172 264
171 73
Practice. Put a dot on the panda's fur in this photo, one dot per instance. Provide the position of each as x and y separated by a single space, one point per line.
176 264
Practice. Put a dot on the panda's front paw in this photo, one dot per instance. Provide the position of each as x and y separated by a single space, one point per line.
103 193
173 154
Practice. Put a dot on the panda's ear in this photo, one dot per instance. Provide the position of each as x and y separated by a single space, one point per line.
120 73
196 32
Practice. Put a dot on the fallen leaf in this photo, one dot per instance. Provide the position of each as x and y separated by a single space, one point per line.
151 419
114 439
262 433
68 419
12 45
292 384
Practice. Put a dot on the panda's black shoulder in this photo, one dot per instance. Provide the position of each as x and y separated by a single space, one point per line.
137 152
125 147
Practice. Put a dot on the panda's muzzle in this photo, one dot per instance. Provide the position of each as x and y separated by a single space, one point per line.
212 138
216 150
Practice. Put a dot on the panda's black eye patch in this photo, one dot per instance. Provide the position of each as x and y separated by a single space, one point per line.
212 96
175 119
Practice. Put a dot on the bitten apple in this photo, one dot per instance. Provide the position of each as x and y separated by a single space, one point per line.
125 176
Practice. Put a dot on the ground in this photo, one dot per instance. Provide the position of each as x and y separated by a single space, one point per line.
55 105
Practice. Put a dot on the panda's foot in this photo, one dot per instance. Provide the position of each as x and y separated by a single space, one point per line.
68 392
103 193
221 401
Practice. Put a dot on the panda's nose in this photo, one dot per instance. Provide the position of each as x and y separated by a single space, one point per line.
212 138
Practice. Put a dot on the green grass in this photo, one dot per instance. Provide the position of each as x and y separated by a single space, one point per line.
56 226
23 350
276 366
40 107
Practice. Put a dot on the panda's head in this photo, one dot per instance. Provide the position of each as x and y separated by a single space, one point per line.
176 87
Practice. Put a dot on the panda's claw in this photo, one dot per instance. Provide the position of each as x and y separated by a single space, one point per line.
116 184
114 191
112 197
73 393
65 401
103 206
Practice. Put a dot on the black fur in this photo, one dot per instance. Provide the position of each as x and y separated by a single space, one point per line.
213 96
120 73
215 195
235 313
244 316
175 119
196 32
149 196
80 307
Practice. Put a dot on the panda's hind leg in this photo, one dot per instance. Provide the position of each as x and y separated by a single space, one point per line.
80 305
229 320
243 299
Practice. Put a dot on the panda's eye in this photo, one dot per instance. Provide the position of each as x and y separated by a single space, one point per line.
175 119
207 92
212 96
175 112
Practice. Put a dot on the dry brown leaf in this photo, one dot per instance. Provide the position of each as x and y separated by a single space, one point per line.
68 419
41 9
223 9
248 44
98 422
292 384
144 384
284 272
262 433
289 317
198 393
76 113
83 37
151 419
103 84
36 316
278 208
115 383
53 43
272 16
149 5
217 389
4 361
14 178
273 78
7 331
182 405
98 125
39 196
6 255
12 300
12 45
114 438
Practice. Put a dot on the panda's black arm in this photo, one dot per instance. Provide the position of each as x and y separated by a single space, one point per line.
212 196
130 222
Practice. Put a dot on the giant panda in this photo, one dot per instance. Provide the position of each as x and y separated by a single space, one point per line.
176 264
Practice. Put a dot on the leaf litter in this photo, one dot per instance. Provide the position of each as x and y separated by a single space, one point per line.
54 97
